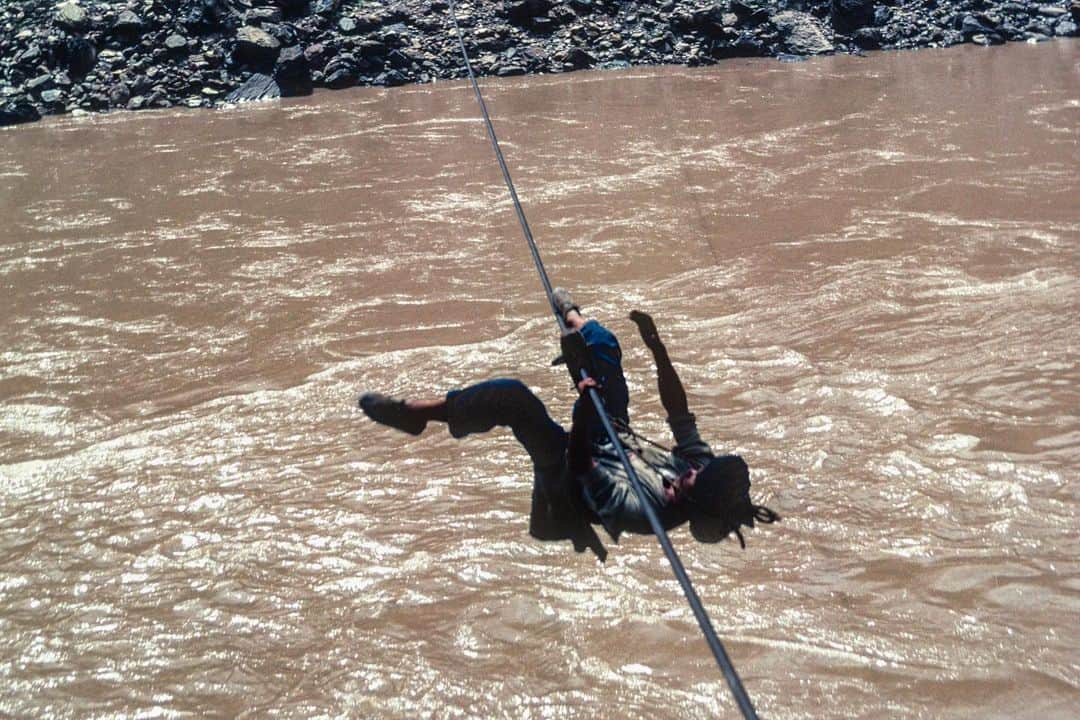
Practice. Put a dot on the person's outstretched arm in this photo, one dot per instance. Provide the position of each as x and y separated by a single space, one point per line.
672 394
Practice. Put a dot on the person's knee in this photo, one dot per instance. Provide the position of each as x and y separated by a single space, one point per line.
513 389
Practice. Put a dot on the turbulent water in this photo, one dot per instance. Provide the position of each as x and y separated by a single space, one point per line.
868 273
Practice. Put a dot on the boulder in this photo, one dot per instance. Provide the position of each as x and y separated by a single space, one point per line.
18 111
72 16
371 49
1052 11
398 59
260 15
341 72
867 38
127 24
254 46
971 26
318 55
802 33
176 44
578 58
119 94
1065 28
52 97
293 72
41 83
850 15
79 56
258 87
392 78
210 16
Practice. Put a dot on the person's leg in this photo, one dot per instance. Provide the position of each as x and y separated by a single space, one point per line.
606 359
607 363
508 403
475 409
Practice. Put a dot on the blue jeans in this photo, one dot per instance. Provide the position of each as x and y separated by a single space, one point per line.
607 362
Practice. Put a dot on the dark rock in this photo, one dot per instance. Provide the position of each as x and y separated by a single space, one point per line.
578 58
293 73
509 70
970 26
1065 28
210 16
394 35
369 22
41 83
371 49
127 24
31 57
523 11
542 25
850 15
254 46
258 87
347 25
176 44
802 33
72 16
867 38
1052 11
284 33
79 56
318 55
752 10
260 15
293 8
341 72
119 94
392 78
323 7
52 97
18 111
398 59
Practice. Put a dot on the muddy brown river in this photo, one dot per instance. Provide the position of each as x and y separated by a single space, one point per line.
867 270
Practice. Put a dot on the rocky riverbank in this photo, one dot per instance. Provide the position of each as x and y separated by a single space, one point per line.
88 56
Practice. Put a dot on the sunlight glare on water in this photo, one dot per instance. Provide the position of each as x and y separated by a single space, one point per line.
865 268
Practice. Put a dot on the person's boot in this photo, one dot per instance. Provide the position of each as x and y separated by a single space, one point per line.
563 302
394 413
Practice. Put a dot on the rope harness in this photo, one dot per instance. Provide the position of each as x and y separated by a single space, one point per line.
717 648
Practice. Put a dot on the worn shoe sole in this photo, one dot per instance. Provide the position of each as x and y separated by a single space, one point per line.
393 413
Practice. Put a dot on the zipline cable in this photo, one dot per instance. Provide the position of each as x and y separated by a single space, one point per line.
722 659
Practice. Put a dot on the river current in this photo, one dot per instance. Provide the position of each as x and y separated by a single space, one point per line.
867 271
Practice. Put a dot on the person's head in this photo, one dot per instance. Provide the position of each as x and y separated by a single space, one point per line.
722 490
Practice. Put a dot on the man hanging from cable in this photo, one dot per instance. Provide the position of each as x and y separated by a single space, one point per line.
578 476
